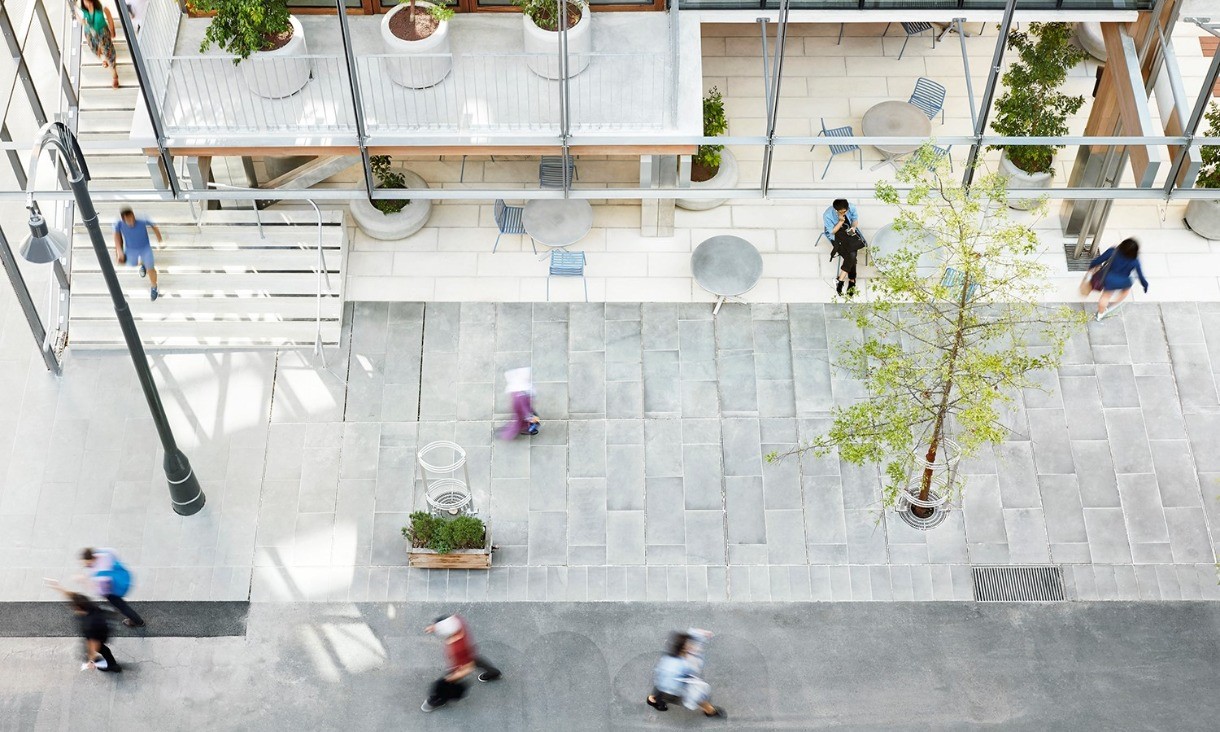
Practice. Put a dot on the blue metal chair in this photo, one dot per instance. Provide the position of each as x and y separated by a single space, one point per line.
930 97
508 221
912 29
943 152
954 278
566 264
839 149
552 173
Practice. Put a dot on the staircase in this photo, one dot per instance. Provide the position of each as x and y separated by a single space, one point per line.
222 284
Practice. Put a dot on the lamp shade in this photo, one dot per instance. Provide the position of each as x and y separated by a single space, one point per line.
43 246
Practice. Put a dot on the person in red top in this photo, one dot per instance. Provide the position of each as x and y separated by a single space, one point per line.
463 659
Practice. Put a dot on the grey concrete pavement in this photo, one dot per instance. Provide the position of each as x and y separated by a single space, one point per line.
1067 666
646 483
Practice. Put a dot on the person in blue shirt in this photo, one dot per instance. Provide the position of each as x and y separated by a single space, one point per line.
841 222
678 676
132 247
1118 263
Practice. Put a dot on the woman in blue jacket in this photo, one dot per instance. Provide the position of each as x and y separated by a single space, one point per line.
1119 262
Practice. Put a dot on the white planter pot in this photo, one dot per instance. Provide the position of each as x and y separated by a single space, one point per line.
399 225
1203 218
726 177
417 73
1019 180
1088 36
546 43
282 72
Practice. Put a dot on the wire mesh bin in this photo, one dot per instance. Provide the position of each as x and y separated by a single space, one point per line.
441 465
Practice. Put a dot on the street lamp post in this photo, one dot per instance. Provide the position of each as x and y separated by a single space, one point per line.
184 491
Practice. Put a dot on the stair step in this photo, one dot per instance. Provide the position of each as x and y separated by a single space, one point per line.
104 97
227 238
273 216
108 120
106 334
98 78
174 307
182 261
229 283
119 165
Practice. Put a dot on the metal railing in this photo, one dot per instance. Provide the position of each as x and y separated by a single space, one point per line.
211 94
480 92
158 33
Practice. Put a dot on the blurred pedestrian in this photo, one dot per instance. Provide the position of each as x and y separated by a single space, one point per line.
521 389
112 580
1110 272
678 676
94 628
463 659
132 247
98 25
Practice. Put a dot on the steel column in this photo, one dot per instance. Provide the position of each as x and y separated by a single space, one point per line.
362 136
146 91
993 80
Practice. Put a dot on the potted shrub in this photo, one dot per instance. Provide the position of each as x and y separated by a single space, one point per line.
712 166
391 218
1033 106
540 19
408 30
266 40
1203 215
436 542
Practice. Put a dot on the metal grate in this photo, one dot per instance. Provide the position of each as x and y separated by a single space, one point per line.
1018 584
1073 264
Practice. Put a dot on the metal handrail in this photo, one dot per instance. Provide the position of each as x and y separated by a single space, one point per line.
258 219
322 273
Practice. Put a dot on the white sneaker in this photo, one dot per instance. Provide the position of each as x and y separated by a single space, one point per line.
426 707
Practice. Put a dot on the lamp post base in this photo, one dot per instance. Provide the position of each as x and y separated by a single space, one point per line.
184 490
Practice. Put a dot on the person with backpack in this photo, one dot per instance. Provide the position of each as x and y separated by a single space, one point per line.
112 580
1110 272
463 659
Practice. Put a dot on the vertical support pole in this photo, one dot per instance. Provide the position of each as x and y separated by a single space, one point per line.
146 92
993 80
27 306
565 97
1191 128
349 57
777 72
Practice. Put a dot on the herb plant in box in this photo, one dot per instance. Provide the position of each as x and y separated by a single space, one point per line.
396 218
541 19
439 542
1203 214
264 39
418 32
1033 106
712 166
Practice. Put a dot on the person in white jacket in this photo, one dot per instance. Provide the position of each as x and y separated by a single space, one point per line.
678 676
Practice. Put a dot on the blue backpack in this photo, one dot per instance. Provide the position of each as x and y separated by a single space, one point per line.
119 576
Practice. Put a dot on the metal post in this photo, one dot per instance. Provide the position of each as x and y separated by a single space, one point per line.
565 95
961 39
993 80
777 70
146 89
185 494
1191 128
27 307
357 105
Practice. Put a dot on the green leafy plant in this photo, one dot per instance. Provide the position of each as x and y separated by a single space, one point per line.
939 354
444 535
1032 105
1209 172
387 177
715 123
439 10
242 27
545 13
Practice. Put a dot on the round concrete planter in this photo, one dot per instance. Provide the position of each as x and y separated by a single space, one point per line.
399 225
1019 180
1203 218
1088 35
546 44
282 72
726 177
417 73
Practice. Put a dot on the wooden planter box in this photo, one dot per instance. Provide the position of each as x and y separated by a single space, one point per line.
457 559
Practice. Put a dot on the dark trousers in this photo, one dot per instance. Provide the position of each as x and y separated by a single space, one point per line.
112 666
443 692
491 672
121 605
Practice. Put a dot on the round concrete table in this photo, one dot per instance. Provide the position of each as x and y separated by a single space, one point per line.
726 266
557 222
887 241
895 119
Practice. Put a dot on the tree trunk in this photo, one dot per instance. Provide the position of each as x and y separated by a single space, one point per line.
411 13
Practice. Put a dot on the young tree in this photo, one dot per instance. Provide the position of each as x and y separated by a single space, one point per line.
944 345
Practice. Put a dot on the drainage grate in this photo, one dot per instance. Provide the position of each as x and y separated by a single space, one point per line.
1018 584
1073 264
